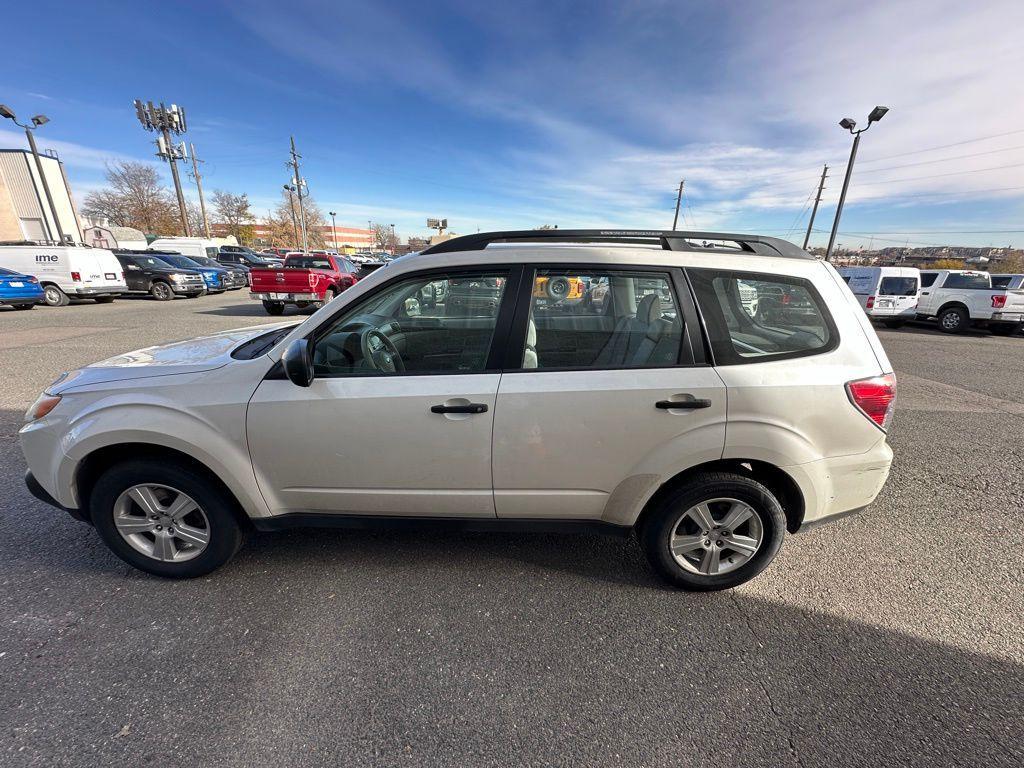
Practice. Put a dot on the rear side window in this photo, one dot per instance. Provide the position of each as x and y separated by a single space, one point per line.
1001 281
928 280
955 280
898 286
753 317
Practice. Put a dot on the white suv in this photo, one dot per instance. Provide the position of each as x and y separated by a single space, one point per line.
709 391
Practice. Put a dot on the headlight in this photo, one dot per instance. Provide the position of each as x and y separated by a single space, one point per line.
42 406
177 277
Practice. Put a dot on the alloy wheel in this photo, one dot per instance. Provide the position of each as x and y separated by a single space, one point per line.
716 536
161 522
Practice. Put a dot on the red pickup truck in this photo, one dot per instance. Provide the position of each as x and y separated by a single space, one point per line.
304 280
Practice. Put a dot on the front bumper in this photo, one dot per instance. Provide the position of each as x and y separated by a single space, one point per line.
285 296
41 493
184 288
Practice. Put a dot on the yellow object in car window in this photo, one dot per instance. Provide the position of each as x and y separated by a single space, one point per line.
558 288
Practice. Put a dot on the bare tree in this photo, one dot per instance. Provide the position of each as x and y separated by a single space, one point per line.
285 229
384 238
233 212
135 198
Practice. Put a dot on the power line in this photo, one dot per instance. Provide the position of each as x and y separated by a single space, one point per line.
942 159
945 146
941 175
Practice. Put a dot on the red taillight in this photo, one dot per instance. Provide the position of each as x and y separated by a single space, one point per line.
874 397
76 276
33 279
998 302
871 302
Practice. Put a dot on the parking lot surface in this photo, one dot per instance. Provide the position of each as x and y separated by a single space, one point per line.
889 638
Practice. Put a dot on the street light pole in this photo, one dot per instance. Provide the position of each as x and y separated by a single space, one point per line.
849 124
334 230
37 121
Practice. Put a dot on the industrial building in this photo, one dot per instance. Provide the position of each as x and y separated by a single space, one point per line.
25 213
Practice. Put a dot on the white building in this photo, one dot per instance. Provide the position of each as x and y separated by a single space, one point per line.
24 211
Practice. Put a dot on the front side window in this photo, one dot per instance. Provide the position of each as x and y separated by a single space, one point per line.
602 319
426 324
898 286
753 317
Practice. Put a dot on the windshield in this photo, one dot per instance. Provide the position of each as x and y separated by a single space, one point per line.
898 286
151 262
180 261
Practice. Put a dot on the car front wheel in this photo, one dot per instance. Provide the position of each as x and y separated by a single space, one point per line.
164 519
161 291
717 531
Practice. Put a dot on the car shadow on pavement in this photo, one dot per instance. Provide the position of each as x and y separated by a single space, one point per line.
256 310
931 329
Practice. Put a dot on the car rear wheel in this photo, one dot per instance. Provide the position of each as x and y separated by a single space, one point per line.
273 307
161 291
954 320
717 531
24 306
164 519
55 297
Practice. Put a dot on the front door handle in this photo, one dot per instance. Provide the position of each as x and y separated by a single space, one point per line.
469 408
694 402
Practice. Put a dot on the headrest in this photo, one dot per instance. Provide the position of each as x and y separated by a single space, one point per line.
649 308
531 334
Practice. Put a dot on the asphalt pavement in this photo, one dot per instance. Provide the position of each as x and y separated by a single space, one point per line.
889 638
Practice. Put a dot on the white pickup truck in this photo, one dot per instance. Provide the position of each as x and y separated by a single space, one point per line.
960 298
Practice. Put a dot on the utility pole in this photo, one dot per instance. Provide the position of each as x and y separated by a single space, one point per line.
814 211
679 199
166 121
291 207
298 188
199 186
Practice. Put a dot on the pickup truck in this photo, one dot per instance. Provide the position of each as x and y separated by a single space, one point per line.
304 280
960 298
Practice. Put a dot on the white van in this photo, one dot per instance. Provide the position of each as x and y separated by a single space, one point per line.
886 293
68 272
187 246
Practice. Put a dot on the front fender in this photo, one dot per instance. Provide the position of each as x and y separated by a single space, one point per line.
212 434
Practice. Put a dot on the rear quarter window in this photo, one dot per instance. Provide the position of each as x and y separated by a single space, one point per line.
752 317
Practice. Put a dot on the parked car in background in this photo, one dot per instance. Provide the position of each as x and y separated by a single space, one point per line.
145 273
303 281
960 298
888 294
217 279
186 246
1008 282
67 272
238 275
247 261
377 411
18 290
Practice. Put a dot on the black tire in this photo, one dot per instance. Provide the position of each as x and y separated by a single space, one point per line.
894 323
954 320
24 306
659 525
104 299
1004 329
193 295
224 531
273 307
54 296
161 291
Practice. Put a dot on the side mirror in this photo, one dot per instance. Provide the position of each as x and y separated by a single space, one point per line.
298 362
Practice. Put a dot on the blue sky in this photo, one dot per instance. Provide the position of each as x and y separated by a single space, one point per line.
507 115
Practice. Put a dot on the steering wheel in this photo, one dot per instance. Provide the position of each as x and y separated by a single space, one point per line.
379 352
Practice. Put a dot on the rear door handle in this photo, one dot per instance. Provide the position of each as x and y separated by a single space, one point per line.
696 402
470 408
